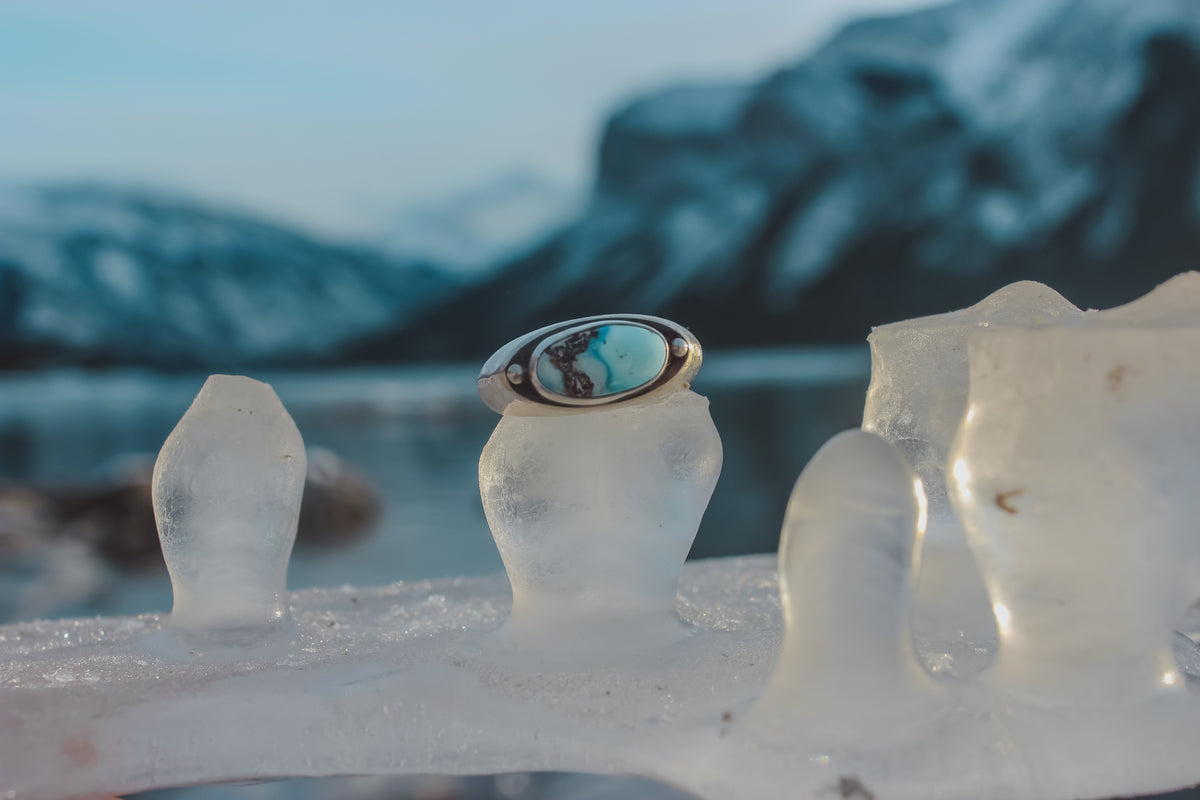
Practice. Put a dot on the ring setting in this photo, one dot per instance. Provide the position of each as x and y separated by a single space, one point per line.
588 364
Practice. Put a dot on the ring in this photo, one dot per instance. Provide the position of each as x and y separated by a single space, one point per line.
588 364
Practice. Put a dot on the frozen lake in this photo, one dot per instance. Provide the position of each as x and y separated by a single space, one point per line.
416 432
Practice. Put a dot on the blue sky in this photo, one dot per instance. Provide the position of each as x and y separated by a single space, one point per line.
336 115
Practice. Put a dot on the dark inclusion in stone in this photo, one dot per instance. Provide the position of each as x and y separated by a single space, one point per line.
563 355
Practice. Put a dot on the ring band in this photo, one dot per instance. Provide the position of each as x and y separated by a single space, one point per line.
589 364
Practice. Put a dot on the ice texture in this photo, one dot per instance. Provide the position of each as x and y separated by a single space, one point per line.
851 539
390 680
226 488
919 374
594 515
1074 473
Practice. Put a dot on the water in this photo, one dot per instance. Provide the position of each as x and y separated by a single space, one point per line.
416 432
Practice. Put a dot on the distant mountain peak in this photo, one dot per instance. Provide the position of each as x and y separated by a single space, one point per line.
913 163
476 230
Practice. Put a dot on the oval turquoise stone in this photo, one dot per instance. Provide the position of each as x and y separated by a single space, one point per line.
601 361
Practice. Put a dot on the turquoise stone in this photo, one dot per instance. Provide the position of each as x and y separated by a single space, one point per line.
602 361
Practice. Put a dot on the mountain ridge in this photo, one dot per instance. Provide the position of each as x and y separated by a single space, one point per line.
877 180
97 275
912 163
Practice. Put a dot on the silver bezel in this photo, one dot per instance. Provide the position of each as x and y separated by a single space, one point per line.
531 398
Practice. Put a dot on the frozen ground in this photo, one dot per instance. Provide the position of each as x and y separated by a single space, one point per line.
400 679
861 663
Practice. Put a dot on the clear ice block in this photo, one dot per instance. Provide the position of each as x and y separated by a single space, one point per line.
227 487
594 515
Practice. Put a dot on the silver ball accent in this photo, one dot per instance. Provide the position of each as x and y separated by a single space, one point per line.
679 348
515 374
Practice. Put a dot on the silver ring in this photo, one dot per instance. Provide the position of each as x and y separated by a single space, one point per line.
590 364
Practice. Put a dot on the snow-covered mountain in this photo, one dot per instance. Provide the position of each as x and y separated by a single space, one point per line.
477 230
912 164
95 274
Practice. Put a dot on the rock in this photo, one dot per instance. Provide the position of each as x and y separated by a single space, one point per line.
340 505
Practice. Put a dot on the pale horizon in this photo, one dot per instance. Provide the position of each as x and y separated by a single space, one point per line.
337 119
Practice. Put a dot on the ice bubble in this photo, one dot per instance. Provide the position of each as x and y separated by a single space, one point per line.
226 489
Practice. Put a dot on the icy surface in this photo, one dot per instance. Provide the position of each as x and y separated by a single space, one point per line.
404 679
1073 472
391 680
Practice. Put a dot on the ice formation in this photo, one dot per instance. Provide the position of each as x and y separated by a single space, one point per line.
851 539
594 515
1072 472
919 376
1075 470
227 487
